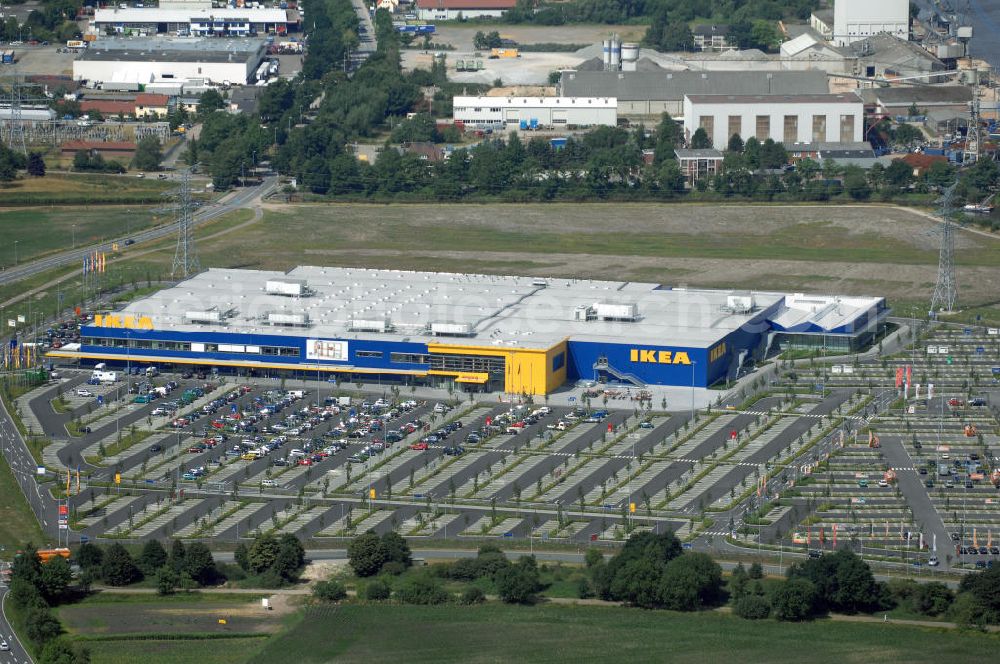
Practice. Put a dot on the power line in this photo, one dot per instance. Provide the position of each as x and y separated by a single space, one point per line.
185 256
946 289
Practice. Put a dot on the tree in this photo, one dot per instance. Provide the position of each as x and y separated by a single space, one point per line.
27 566
166 580
262 554
55 579
518 583
856 184
290 559
735 144
756 571
41 626
396 548
793 600
89 556
594 557
842 582
210 100
329 591
932 599
153 557
63 651
148 154
199 564
366 554
177 554
700 140
118 568
36 165
690 582
240 556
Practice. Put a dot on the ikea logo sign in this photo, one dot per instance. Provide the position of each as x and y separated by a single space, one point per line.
717 353
131 322
659 356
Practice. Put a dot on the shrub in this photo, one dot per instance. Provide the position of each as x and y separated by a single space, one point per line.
518 583
473 595
329 591
793 600
422 589
393 567
377 591
752 607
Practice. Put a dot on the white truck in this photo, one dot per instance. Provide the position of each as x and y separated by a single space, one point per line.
106 376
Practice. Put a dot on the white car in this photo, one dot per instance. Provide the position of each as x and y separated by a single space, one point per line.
84 393
4 646
932 561
269 483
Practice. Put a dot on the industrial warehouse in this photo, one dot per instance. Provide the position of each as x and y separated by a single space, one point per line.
519 335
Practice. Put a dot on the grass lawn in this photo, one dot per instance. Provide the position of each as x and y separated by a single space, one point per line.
43 230
201 651
74 189
499 633
17 522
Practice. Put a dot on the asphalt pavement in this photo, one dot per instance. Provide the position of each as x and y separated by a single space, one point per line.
23 466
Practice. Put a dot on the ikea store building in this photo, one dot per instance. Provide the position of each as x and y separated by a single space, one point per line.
520 335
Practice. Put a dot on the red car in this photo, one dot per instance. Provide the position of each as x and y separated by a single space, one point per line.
196 449
418 446
305 461
955 403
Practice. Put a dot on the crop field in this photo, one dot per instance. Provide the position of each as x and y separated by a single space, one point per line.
166 618
172 651
846 249
500 633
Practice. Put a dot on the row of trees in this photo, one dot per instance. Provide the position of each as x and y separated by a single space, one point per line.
34 589
543 12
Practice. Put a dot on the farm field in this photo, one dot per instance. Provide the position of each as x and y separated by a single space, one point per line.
848 249
501 633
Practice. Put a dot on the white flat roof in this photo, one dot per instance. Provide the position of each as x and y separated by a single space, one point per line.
499 310
538 102
156 15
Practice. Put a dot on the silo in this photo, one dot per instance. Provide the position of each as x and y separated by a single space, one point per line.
630 52
606 52
616 53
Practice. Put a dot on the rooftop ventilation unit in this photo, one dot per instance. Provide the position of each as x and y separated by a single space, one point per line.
286 287
584 313
739 304
369 325
612 311
452 329
275 318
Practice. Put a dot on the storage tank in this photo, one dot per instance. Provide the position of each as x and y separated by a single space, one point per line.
616 53
606 52
630 52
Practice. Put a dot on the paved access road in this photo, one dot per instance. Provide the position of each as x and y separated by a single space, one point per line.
17 654
23 466
75 256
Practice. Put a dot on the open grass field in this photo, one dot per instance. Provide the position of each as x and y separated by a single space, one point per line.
43 230
74 188
17 522
499 633
843 249
167 618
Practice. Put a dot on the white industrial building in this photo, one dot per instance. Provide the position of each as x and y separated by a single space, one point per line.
144 61
450 10
854 20
533 112
646 95
197 21
788 119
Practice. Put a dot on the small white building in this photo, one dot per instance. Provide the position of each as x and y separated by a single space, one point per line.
854 20
450 10
533 112
788 119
